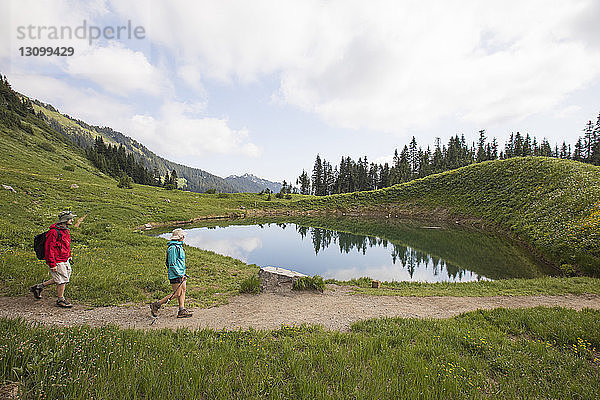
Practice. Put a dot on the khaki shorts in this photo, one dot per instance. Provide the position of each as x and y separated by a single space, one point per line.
62 273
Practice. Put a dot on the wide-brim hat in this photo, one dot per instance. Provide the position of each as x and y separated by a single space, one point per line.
64 216
177 234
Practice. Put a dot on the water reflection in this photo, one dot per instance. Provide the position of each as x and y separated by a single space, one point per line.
407 257
399 252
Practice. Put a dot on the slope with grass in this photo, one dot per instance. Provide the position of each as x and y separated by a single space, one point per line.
538 353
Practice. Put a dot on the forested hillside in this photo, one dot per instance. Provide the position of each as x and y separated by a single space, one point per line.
193 179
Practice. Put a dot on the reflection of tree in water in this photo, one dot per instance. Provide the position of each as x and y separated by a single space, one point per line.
410 258
302 230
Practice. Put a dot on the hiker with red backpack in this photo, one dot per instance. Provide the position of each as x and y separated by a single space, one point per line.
54 246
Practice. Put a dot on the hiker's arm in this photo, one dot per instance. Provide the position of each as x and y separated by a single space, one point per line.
50 248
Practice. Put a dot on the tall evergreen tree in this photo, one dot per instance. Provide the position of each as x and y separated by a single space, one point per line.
304 182
578 154
481 153
317 177
595 156
413 156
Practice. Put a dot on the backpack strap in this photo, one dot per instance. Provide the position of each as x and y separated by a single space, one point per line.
178 253
58 234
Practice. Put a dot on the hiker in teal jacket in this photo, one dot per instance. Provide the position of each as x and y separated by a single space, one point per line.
176 274
175 261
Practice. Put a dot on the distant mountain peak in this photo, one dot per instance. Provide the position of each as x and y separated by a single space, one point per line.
255 183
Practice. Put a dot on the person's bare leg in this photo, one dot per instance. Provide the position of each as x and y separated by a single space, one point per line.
166 298
60 290
181 297
48 282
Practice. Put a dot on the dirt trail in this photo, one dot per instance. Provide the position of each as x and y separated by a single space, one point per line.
336 309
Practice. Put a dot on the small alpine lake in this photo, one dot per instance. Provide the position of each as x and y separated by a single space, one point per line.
345 248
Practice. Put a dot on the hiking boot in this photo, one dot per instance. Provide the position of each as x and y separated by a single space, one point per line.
37 291
63 303
154 308
183 313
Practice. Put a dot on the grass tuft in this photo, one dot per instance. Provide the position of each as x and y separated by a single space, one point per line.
250 285
315 283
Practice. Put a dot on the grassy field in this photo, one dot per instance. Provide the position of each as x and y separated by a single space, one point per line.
500 354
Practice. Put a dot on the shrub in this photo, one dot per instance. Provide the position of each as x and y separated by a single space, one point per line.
210 191
250 285
125 182
222 196
279 195
26 128
568 270
310 283
46 146
363 281
69 168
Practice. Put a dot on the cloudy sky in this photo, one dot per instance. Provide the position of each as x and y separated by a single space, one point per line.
263 86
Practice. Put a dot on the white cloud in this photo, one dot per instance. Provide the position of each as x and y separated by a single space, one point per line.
117 70
567 111
191 75
385 159
24 13
180 133
388 65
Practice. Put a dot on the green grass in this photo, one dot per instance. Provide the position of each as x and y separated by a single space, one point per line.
114 264
250 285
314 283
499 354
551 206
505 287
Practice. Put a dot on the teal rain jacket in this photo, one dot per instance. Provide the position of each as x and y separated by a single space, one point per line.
175 259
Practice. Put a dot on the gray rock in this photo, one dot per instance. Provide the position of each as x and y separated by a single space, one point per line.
275 279
9 188
74 186
148 226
